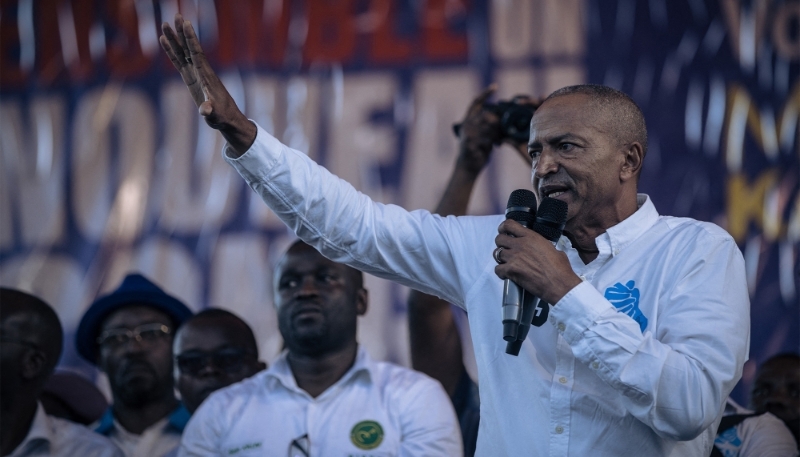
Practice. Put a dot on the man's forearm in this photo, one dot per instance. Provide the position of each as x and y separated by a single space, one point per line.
456 195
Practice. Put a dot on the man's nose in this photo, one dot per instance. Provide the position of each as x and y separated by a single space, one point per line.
209 369
134 345
545 164
308 287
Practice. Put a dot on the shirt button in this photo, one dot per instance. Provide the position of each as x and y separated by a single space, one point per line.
595 365
583 278
559 429
616 251
562 327
562 380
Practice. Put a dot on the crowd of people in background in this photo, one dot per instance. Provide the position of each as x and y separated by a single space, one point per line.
323 393
194 384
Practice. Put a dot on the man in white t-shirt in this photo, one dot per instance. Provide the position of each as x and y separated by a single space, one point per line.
324 395
745 433
30 346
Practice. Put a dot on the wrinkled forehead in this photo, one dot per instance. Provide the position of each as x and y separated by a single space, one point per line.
302 260
565 114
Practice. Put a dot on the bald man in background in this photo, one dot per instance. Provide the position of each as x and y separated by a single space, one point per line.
30 346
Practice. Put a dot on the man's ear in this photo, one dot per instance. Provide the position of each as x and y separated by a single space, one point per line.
34 364
633 158
362 301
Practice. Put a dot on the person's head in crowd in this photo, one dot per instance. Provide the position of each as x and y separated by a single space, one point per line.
30 346
318 302
71 396
213 349
128 335
777 389
602 185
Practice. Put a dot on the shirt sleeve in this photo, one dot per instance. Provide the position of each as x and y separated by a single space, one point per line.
428 421
413 248
676 376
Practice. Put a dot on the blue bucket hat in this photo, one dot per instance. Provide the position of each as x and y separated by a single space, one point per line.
134 290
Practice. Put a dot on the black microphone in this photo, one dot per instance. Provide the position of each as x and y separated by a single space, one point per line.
550 221
521 208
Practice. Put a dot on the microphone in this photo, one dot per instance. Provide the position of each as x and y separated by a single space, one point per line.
521 208
549 223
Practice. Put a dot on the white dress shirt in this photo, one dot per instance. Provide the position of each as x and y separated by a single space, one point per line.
649 380
375 409
52 436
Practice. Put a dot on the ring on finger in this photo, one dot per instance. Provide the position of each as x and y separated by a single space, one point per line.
188 59
496 254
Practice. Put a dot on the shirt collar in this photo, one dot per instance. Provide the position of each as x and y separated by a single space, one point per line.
177 420
40 429
615 239
282 372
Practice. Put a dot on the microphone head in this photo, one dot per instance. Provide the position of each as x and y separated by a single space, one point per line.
521 207
551 218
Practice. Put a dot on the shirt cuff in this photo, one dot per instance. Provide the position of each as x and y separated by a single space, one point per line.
257 161
578 310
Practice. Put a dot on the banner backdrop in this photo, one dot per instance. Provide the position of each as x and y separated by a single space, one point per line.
107 168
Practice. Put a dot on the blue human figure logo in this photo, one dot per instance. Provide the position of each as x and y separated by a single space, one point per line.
626 299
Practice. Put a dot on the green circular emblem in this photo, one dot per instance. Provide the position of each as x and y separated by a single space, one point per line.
367 435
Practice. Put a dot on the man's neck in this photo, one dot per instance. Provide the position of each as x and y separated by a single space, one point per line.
137 420
17 421
316 373
583 233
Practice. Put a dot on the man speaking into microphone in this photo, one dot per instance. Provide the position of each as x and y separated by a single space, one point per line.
649 323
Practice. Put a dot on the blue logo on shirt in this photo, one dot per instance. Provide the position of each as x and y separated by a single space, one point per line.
626 299
729 442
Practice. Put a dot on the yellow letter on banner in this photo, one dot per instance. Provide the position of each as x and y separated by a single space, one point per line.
746 203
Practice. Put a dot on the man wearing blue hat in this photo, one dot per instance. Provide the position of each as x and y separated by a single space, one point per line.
128 336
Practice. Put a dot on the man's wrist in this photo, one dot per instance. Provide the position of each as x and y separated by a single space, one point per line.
240 135
564 287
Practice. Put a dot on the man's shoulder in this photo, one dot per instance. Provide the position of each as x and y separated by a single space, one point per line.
254 385
80 440
695 229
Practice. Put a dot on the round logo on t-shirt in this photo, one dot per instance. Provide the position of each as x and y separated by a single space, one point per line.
367 435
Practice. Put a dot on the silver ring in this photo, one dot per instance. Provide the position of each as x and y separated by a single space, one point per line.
188 59
496 254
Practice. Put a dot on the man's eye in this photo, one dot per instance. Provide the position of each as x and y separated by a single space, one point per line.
534 153
288 284
565 146
327 279
761 391
150 334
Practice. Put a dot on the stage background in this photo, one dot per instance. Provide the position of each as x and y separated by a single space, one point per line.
107 168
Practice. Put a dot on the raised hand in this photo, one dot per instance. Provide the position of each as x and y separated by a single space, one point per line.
214 102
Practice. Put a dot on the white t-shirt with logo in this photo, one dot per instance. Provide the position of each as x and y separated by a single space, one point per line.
759 436
375 409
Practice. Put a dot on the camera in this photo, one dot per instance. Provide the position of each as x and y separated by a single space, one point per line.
515 120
